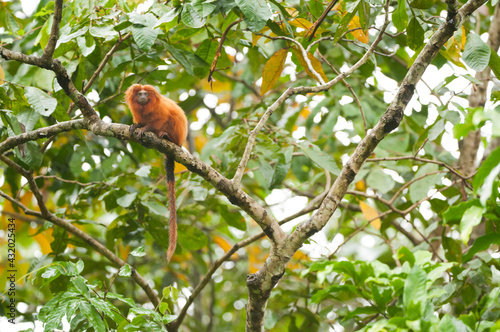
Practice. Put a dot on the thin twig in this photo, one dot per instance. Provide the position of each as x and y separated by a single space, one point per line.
219 49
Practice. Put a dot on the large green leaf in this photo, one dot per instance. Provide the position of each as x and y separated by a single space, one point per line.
41 102
476 52
480 244
256 13
400 17
415 34
471 218
319 157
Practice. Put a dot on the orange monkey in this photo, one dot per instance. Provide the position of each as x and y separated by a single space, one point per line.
162 116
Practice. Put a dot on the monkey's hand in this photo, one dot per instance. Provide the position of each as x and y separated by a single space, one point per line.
133 127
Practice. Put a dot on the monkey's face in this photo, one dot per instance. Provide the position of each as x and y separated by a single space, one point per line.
142 97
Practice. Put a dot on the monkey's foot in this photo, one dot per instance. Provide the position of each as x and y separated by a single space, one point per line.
164 134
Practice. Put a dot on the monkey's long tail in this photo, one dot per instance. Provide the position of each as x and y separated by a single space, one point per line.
172 232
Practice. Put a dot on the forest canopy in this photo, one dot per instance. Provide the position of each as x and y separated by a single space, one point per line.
341 170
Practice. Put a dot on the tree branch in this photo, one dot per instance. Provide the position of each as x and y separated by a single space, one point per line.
289 92
48 52
45 214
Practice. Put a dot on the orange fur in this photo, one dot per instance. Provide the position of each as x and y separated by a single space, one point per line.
162 116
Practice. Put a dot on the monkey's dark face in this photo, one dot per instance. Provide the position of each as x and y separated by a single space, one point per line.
142 97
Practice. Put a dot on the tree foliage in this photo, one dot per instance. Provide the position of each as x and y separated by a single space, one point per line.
304 113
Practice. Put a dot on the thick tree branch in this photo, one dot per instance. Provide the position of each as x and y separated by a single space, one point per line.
46 215
48 52
389 121
261 283
235 195
13 141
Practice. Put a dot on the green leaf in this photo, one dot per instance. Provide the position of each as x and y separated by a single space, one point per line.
191 238
452 249
316 8
86 44
420 188
319 157
144 171
168 17
191 17
476 53
256 13
181 57
93 316
125 271
436 129
126 200
405 255
400 17
233 218
145 37
480 244
415 34
495 64
454 213
486 168
139 251
103 32
422 4
33 156
471 218
379 180
156 208
80 285
489 184
415 291
451 324
79 266
41 102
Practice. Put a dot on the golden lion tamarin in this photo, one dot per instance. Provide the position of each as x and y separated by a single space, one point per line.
162 116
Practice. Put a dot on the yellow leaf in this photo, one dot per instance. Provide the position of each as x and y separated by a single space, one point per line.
359 34
361 186
199 142
124 251
297 260
272 70
316 64
224 245
464 38
300 23
453 49
255 38
43 238
369 214
217 85
2 74
305 112
452 60
179 168
292 11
